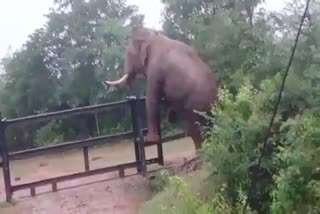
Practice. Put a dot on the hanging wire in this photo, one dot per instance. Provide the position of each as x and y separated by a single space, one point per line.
275 110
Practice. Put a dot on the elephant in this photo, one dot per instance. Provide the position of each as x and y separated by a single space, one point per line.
174 71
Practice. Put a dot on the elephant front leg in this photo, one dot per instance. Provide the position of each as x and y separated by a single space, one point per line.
153 112
153 126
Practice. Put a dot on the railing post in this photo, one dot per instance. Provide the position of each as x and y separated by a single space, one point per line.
137 134
132 103
86 158
159 145
141 136
5 160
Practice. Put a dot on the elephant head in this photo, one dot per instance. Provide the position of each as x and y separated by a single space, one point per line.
137 53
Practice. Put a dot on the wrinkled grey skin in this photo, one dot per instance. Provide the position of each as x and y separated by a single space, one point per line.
174 71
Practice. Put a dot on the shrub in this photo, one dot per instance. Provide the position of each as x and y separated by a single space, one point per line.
285 182
288 179
160 181
296 188
49 134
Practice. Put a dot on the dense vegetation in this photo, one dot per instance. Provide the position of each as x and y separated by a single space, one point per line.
250 49
62 64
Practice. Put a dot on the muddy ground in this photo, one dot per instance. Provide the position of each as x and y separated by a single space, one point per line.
98 194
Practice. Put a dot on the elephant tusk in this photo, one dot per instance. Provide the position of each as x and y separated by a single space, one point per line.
117 82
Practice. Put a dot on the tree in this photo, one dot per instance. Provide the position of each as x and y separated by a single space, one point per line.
228 34
64 64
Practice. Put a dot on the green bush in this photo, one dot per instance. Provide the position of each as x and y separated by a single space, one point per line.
160 181
296 186
288 180
179 195
186 196
231 145
285 182
49 134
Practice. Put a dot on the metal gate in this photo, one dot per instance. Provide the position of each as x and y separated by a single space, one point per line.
136 134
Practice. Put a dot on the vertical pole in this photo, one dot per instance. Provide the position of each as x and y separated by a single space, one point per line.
132 102
86 158
97 123
5 160
137 121
137 134
159 145
140 136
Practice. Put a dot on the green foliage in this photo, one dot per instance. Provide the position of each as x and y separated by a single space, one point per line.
185 195
63 65
188 203
175 195
225 37
48 135
249 48
233 143
296 187
160 182
26 75
289 179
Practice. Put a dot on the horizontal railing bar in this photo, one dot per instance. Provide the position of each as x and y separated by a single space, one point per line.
78 175
83 143
173 137
63 114
69 145
168 139
67 113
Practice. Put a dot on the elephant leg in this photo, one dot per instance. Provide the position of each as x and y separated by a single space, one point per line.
194 132
153 111
194 123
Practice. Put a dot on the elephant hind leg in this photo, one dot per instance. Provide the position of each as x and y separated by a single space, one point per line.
195 125
194 132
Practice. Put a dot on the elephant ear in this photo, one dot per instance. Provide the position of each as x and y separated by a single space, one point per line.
142 38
